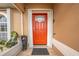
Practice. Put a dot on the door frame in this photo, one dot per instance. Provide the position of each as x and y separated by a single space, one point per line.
49 26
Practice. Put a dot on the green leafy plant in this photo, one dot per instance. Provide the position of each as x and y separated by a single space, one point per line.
14 34
10 43
1 48
13 40
2 42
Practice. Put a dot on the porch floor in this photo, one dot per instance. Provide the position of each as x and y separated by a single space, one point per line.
52 51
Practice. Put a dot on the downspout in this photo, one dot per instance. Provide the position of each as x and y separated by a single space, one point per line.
21 14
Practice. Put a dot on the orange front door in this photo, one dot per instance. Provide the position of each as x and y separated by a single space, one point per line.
39 26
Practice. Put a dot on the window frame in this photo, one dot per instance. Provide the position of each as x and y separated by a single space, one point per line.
4 28
8 16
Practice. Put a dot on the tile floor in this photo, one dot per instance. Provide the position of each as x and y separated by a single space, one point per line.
28 52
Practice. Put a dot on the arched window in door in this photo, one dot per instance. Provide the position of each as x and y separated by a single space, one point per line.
3 27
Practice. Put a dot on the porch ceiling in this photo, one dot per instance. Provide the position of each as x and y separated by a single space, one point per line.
6 5
19 6
22 6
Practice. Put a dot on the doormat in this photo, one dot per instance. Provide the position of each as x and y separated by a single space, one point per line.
40 51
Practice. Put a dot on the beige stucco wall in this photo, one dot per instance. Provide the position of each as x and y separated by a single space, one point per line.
15 21
66 24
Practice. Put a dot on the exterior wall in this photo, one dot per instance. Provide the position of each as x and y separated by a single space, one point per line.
33 6
15 21
66 24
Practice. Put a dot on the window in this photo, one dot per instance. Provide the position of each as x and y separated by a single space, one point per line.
3 27
39 18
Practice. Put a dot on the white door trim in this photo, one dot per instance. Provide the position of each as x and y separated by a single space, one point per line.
49 27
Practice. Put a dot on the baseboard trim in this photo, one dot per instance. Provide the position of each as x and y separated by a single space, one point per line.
64 49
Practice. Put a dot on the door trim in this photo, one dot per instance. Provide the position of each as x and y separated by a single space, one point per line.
49 27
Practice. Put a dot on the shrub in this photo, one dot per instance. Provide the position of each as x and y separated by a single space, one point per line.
2 42
13 40
10 44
